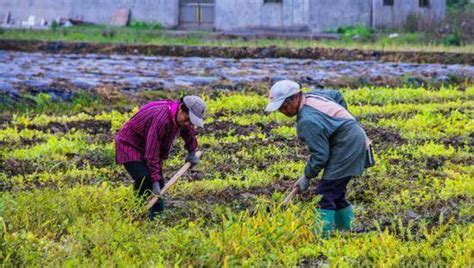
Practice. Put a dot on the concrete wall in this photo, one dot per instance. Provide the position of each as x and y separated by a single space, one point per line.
21 9
234 15
331 14
97 11
162 11
395 16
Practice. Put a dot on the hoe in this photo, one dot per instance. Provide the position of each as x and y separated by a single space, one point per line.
290 196
172 181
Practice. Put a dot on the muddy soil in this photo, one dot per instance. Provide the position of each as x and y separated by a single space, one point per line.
97 158
12 167
5 119
459 141
434 163
201 206
222 129
232 194
21 143
384 137
239 52
62 75
93 127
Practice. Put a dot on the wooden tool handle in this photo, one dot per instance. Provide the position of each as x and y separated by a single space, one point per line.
290 196
172 181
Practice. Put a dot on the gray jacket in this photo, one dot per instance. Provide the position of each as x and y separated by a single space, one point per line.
336 144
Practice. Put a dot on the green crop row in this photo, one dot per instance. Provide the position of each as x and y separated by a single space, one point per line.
98 225
64 202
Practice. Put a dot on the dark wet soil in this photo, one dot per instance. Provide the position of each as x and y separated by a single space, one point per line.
201 206
238 53
230 195
459 141
22 143
468 161
222 128
383 137
430 212
5 119
434 163
93 127
113 77
95 158
12 167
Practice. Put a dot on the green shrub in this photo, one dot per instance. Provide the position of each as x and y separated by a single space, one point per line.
459 27
42 101
453 39
361 32
457 4
54 25
141 25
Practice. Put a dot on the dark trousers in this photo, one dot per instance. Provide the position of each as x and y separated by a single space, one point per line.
333 193
143 185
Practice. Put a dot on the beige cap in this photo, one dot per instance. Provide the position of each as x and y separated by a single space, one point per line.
279 92
197 109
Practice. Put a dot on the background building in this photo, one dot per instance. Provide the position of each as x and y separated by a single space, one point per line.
234 15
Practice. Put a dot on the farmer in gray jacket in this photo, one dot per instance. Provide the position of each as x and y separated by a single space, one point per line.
337 144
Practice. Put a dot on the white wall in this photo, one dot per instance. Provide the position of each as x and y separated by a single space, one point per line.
394 17
97 11
252 14
331 14
234 15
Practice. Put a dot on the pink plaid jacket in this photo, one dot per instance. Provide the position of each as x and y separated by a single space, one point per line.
149 135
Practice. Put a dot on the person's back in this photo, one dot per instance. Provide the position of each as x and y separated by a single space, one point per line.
146 114
335 134
144 142
152 118
333 94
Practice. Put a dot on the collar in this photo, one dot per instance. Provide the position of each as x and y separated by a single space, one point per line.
174 106
302 102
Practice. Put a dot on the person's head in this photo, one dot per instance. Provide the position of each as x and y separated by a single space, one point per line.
191 111
285 96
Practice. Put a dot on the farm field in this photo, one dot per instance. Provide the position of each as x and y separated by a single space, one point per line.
64 201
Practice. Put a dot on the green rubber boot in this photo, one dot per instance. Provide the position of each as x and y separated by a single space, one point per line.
343 219
326 217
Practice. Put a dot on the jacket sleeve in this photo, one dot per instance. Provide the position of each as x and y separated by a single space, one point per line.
189 136
154 136
318 145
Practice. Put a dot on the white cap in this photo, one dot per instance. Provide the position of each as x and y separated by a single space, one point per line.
197 109
279 92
